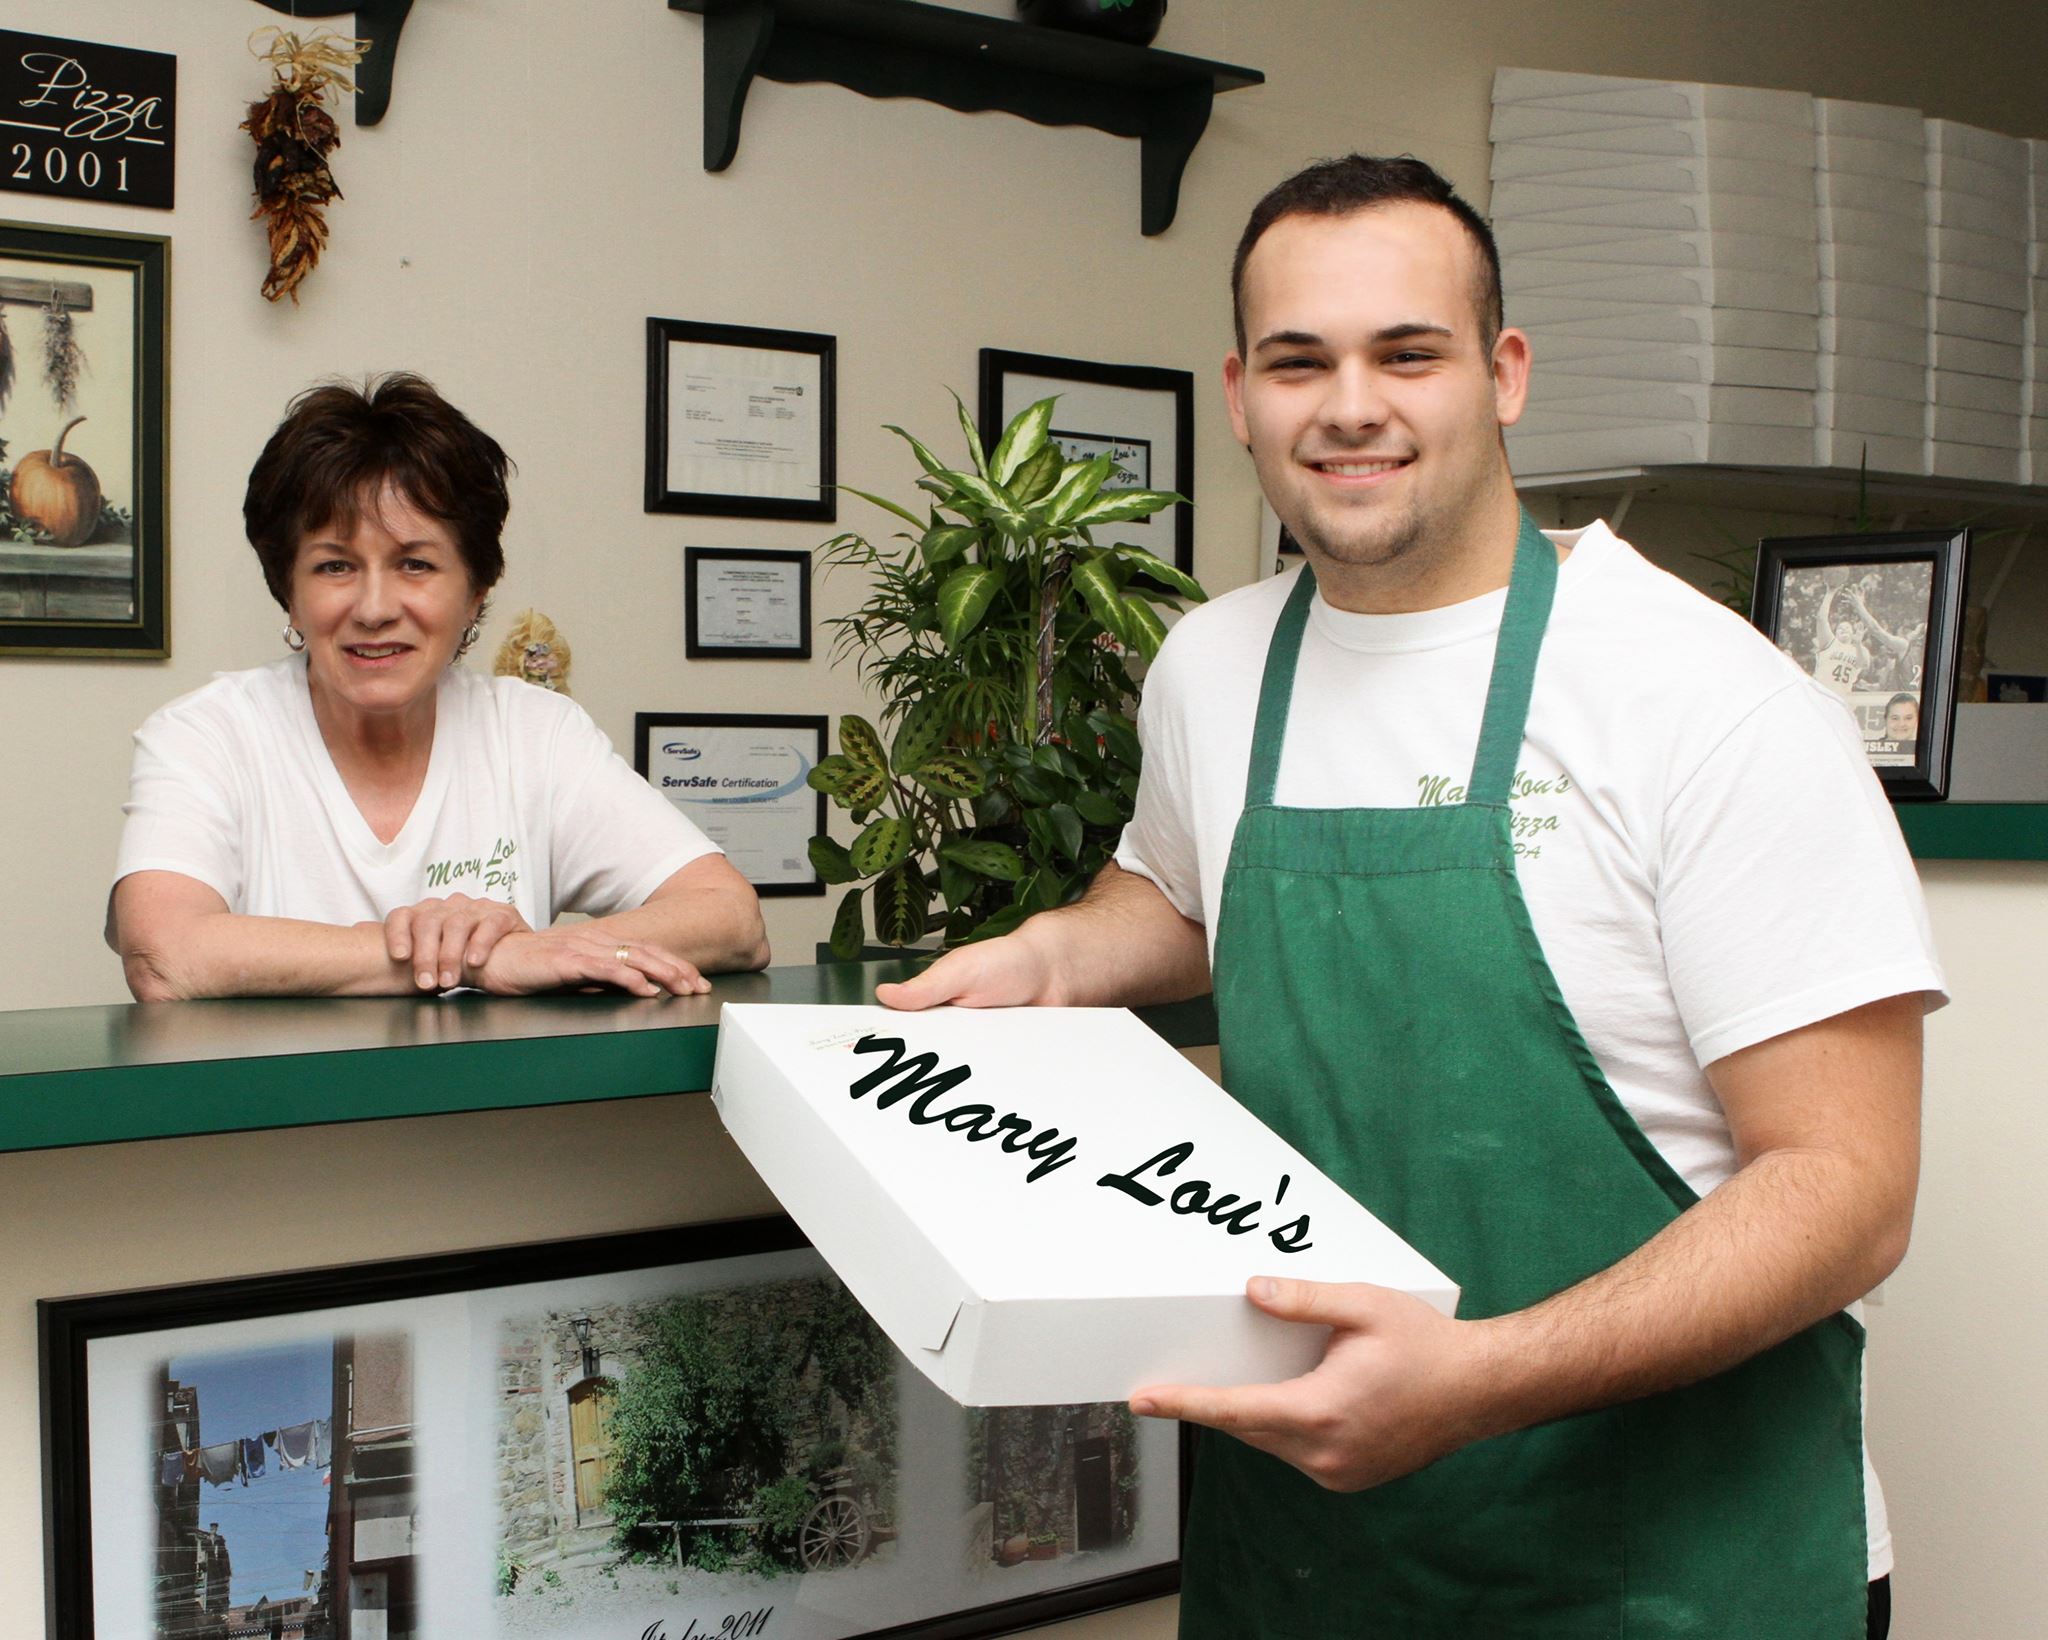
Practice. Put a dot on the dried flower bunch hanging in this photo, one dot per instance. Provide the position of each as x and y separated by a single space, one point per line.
294 135
62 359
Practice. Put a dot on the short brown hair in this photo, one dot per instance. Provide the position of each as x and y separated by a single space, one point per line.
1357 182
339 443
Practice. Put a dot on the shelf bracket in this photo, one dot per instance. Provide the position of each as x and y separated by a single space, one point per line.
1179 116
736 39
379 22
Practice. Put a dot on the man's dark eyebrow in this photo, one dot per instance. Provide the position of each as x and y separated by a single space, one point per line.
1392 333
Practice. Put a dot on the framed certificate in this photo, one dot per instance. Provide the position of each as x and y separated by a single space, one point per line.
746 605
739 421
1140 416
741 777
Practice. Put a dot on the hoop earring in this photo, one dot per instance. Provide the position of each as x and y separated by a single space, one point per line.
470 634
294 639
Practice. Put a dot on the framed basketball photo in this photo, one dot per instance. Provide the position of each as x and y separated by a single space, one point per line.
1875 619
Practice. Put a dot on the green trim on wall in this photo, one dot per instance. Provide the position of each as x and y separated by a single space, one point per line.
1975 831
85 1076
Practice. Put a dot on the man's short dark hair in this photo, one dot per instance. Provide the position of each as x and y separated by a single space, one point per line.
339 445
1357 182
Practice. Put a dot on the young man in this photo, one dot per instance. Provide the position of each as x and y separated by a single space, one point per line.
1506 853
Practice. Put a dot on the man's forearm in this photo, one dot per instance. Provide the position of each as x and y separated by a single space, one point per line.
1121 945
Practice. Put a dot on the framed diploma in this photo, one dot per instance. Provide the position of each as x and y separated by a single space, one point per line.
741 777
739 421
746 605
1141 416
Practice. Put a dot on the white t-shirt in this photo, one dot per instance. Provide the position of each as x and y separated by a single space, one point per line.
524 801
1707 858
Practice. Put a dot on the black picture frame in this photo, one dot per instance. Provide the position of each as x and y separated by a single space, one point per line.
695 647
105 597
667 492
1916 577
1111 401
766 1254
761 859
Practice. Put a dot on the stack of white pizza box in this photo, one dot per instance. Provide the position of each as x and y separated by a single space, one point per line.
1659 243
2037 318
1978 199
1876 284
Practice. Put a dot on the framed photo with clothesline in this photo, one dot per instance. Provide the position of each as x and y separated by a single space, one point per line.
1877 621
83 408
684 1431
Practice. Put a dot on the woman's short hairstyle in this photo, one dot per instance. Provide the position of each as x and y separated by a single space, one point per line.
337 448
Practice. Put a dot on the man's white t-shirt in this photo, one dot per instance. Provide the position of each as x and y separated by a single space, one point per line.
524 801
1707 857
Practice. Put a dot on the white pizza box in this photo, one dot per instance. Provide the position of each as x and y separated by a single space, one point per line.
1867 157
1997 395
2037 442
1684 287
1658 139
1665 443
1726 366
1980 147
1979 358
1676 174
1718 210
1543 242
2002 252
2036 358
1953 208
1652 99
1850 190
1977 461
2003 326
2037 170
1846 447
1954 172
1873 339
1880 378
1979 285
1867 413
1956 424
1013 1195
1880 122
1870 265
1885 304
1647 322
1902 231
1671 401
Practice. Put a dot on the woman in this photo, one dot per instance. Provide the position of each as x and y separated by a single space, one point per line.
365 817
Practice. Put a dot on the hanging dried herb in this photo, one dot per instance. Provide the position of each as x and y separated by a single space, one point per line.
62 360
294 135
6 361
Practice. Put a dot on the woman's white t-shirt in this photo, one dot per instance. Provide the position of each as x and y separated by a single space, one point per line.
524 801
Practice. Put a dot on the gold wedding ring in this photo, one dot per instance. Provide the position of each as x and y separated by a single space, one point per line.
622 953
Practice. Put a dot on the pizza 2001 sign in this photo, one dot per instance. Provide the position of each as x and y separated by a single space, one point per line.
87 121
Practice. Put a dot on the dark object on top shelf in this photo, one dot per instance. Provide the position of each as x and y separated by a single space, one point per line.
1135 21
377 21
902 48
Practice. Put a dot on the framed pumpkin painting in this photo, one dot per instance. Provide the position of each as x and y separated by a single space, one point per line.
83 410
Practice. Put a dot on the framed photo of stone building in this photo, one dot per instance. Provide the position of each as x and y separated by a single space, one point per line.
1876 620
684 1431
83 409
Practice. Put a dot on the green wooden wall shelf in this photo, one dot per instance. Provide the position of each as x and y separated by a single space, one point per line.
1975 831
155 1070
965 61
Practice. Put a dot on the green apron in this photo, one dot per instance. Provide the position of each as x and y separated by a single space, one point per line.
1385 1006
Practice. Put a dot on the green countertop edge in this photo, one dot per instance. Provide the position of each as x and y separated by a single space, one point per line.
1975 831
117 1103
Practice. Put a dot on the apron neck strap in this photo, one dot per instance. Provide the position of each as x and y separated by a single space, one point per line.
1531 587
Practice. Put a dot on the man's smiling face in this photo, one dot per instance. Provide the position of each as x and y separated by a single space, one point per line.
1367 395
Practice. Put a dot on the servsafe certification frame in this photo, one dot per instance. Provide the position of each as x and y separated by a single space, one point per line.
742 780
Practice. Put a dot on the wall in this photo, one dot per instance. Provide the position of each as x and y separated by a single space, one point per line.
533 196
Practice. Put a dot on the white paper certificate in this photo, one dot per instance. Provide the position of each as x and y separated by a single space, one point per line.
743 786
744 421
750 603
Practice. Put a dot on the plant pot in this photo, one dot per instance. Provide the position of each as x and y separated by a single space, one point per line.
1046 1551
1013 1550
1132 21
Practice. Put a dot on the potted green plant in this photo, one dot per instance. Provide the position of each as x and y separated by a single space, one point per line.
1002 638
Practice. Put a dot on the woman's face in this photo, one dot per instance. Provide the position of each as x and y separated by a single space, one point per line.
383 607
1902 720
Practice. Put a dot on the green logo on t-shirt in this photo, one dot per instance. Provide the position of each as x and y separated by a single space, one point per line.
494 876
1435 791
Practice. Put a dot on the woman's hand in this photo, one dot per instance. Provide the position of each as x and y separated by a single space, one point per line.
448 940
523 962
